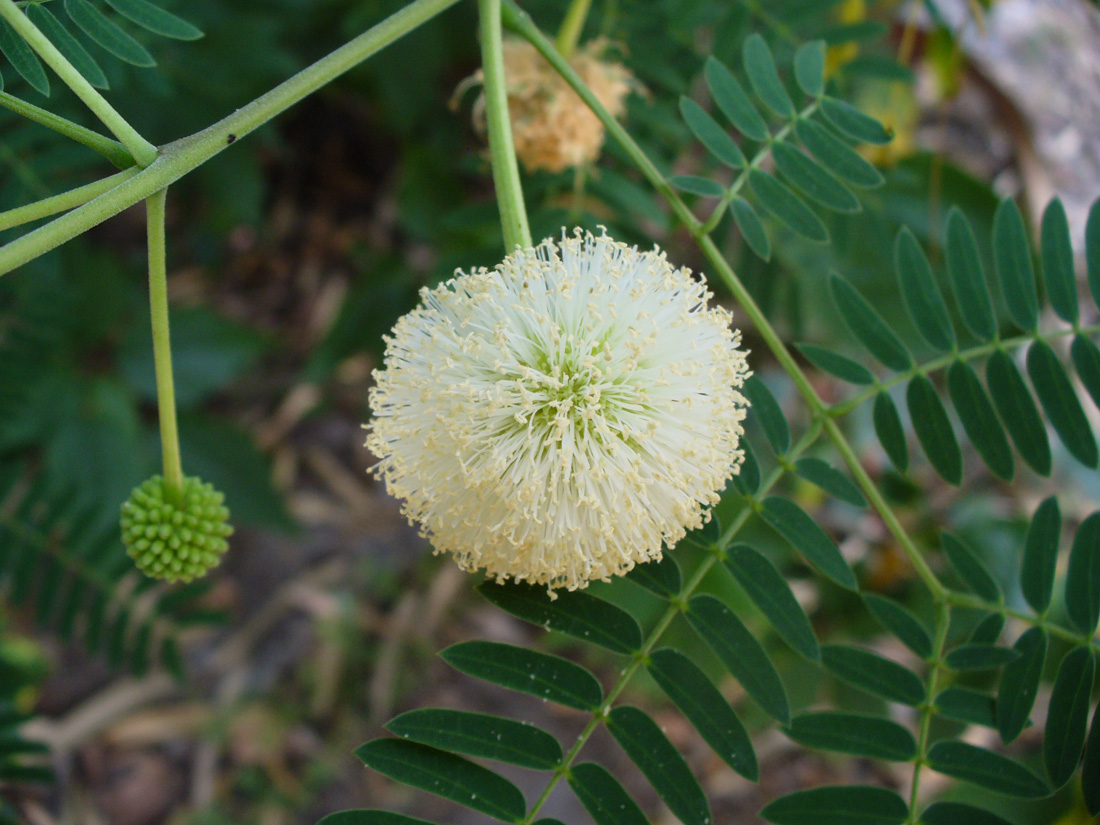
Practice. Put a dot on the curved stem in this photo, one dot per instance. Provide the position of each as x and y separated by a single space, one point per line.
570 33
63 202
143 151
162 348
513 213
114 151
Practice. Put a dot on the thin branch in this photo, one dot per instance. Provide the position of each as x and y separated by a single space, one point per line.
63 202
114 151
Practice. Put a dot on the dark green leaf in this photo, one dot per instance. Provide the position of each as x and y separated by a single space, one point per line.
704 187
516 668
1041 555
707 536
966 705
769 591
1090 769
813 180
661 577
922 295
1018 413
446 775
879 67
959 813
710 134
888 429
741 653
68 45
873 673
155 19
934 430
1058 271
838 805
869 736
1019 684
572 612
792 522
1086 360
809 67
836 364
787 206
768 413
975 410
603 797
699 700
831 480
1060 402
370 817
22 59
1012 257
971 569
836 155
661 763
748 479
980 657
899 621
1083 576
1092 250
988 630
965 266
990 770
751 228
730 97
850 32
866 325
763 77
1068 715
853 123
92 22
479 734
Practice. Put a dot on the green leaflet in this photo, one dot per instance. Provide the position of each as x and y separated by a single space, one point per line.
852 122
971 569
770 592
836 155
1092 250
710 134
1058 270
1019 684
479 734
603 797
831 480
866 325
787 206
990 770
965 267
1012 258
1018 412
975 410
22 59
661 577
1091 766
836 364
765 408
661 763
1083 576
813 180
980 657
966 705
792 522
92 22
922 295
872 737
446 775
1068 715
763 76
989 630
934 430
539 674
704 187
741 653
573 613
1086 360
838 805
959 813
1040 559
370 817
751 227
155 19
68 45
748 479
809 68
730 97
899 621
704 706
873 673
1061 404
888 428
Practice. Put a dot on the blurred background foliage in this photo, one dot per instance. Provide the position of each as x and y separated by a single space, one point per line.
290 255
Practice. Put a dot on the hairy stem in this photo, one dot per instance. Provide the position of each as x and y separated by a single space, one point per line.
162 348
142 150
178 158
63 202
114 151
570 33
502 154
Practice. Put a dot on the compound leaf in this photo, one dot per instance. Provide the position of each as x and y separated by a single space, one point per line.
770 592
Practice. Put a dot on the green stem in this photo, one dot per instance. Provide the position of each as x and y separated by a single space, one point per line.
943 621
972 602
502 154
570 33
142 150
65 201
162 348
114 151
178 158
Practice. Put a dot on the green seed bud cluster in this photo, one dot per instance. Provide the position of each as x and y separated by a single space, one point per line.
175 540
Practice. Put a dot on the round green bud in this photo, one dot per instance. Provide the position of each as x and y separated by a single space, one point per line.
177 540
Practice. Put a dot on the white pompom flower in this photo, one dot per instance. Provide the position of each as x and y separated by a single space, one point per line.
559 418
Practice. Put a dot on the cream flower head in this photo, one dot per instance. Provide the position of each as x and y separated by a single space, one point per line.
560 417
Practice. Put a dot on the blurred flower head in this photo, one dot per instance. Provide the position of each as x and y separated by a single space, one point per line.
560 417
552 128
